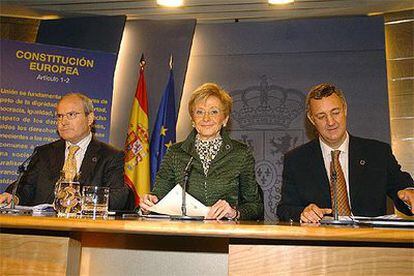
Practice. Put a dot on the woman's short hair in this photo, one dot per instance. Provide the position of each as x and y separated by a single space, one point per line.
211 89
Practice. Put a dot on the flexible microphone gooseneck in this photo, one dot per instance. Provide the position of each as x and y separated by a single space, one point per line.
183 215
21 170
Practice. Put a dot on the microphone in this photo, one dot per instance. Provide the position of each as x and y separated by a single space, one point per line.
184 216
188 167
187 171
21 170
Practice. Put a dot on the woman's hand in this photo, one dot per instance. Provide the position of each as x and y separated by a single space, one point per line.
146 202
222 209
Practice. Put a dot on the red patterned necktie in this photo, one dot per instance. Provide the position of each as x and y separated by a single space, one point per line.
342 193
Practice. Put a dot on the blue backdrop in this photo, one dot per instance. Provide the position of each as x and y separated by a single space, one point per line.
33 78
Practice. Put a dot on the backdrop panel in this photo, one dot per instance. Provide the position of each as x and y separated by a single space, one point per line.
33 79
269 68
157 40
96 33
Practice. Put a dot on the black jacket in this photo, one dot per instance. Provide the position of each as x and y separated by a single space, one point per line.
373 174
102 166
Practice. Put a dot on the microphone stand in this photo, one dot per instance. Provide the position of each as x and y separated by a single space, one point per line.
183 215
21 170
335 192
335 220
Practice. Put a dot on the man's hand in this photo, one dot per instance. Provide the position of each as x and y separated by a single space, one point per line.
313 214
221 209
146 202
5 199
407 195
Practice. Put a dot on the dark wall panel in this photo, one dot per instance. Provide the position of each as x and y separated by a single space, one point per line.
98 33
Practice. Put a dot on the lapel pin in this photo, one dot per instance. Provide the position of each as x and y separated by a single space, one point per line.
94 159
362 162
227 147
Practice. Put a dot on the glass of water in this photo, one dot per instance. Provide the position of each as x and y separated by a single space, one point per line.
67 201
95 201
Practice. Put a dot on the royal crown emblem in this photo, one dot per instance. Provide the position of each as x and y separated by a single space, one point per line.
267 105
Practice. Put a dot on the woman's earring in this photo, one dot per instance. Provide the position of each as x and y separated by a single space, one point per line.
224 125
192 124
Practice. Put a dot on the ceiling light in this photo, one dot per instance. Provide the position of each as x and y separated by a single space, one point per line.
280 2
170 3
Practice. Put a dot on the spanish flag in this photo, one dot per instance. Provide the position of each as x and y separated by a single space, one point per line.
137 158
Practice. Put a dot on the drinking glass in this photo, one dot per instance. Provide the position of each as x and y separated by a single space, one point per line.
67 201
95 201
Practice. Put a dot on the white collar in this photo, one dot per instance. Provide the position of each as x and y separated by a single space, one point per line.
344 147
83 144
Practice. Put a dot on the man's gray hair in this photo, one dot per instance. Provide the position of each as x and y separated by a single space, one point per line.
86 101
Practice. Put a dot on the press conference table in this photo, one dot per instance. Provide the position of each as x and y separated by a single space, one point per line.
50 245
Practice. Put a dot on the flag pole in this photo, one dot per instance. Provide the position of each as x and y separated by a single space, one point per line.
142 61
171 63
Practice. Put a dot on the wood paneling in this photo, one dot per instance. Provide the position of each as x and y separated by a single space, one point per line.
225 229
318 260
399 40
130 247
38 255
20 29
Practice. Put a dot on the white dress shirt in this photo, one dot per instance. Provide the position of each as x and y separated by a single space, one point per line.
80 154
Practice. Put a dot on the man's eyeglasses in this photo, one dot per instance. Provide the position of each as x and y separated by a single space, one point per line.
200 113
70 116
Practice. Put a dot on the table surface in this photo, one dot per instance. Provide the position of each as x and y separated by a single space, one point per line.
226 229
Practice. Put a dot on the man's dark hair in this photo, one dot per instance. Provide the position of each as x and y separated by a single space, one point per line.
321 91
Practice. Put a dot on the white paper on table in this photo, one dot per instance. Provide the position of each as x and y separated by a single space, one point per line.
171 204
387 220
36 208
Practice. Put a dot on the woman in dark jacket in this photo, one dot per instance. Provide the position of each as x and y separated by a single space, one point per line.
223 174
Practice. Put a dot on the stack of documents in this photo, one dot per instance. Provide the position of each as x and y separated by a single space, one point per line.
38 210
389 220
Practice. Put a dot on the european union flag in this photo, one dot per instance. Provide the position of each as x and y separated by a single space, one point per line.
163 134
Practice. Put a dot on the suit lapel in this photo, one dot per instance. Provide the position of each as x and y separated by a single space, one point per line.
90 160
356 163
57 159
318 169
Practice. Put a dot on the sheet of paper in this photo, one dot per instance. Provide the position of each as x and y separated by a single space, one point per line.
392 216
37 210
171 204
387 220
40 207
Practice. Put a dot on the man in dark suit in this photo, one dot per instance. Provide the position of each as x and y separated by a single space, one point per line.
365 170
97 163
